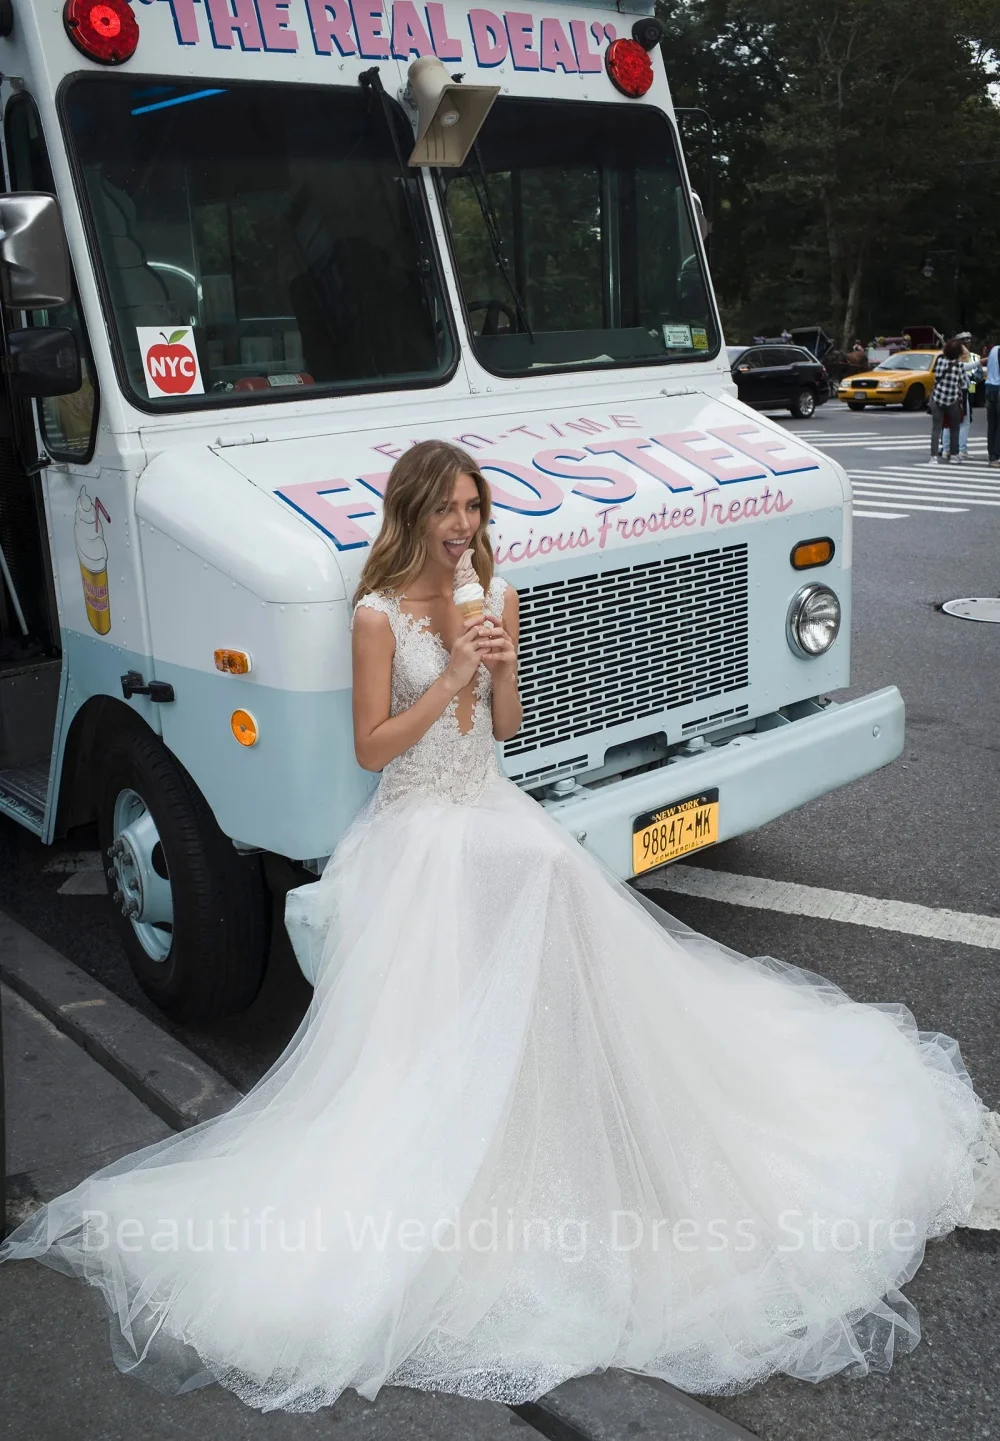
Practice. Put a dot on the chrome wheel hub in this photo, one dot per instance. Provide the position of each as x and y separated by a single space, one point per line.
139 871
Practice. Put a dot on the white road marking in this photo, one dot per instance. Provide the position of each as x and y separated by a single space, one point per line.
877 494
907 490
878 515
923 486
983 484
84 883
962 927
938 489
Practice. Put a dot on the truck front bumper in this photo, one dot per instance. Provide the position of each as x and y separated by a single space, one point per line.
759 775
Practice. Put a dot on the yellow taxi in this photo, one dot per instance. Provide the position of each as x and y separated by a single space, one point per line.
906 379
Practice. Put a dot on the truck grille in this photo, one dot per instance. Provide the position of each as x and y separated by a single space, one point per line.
599 650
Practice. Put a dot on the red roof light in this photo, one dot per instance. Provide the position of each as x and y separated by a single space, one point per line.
103 30
630 67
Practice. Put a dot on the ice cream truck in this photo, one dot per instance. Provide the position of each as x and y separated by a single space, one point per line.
251 250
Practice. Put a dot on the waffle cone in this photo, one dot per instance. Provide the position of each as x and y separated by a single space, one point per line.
472 610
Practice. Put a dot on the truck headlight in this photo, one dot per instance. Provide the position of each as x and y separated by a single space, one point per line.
813 620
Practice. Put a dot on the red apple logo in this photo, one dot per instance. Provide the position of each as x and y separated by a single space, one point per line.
172 366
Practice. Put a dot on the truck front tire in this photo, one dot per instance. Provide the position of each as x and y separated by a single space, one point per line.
192 912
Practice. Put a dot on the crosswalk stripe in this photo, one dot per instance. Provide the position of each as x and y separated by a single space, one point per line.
900 494
921 477
910 480
914 442
979 484
912 505
961 475
900 482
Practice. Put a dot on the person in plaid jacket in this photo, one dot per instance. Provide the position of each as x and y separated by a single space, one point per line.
948 398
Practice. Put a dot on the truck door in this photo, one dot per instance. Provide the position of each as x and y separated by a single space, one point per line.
30 648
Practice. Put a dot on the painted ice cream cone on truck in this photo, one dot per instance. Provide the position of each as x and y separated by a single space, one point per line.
469 594
92 552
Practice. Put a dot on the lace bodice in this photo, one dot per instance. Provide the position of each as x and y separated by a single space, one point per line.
444 763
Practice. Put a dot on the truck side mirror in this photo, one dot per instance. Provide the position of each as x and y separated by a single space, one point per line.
34 256
43 360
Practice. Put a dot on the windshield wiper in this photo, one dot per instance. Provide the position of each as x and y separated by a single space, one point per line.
484 199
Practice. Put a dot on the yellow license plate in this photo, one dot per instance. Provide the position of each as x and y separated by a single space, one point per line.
672 831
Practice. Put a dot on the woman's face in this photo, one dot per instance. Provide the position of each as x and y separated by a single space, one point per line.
454 523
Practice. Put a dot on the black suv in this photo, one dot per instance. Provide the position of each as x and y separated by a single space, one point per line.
779 377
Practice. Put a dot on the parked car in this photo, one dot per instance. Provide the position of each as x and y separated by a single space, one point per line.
779 377
906 379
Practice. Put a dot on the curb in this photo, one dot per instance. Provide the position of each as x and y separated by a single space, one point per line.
172 1081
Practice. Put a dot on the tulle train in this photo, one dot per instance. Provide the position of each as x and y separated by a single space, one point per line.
529 1128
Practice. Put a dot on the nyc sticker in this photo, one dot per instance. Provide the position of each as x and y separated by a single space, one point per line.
169 361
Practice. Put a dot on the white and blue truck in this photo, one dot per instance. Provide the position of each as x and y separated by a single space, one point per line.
250 250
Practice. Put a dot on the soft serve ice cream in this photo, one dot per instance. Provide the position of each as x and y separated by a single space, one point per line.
92 552
469 595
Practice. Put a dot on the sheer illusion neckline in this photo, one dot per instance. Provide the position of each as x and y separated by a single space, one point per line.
421 625
423 622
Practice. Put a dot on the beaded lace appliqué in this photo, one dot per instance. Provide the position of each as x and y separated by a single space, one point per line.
445 763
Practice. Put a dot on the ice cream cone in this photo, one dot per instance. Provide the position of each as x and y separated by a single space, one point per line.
469 595
472 609
92 553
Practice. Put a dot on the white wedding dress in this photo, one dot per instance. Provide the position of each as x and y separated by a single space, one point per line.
530 1128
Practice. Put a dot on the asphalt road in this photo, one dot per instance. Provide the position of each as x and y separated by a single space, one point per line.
926 830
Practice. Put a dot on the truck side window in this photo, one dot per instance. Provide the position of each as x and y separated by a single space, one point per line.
69 422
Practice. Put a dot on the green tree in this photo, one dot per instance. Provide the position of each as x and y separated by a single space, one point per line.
841 128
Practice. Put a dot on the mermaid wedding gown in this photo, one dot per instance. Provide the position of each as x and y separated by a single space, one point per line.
526 1130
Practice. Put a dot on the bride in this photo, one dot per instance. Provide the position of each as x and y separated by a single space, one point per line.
529 1127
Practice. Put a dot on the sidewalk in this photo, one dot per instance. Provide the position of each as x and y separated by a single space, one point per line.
68 1114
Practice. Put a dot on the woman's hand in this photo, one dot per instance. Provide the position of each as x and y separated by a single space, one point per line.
466 654
500 657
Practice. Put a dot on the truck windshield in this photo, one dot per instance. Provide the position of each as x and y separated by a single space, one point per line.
256 239
574 240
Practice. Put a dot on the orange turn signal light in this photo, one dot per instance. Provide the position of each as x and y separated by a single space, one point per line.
244 727
812 552
233 662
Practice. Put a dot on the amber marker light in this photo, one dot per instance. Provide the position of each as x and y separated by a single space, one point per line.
812 552
244 727
232 662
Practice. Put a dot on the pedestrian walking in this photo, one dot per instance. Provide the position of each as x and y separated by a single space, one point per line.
974 377
993 405
948 399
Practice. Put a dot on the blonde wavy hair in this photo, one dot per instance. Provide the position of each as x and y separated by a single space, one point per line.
419 482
